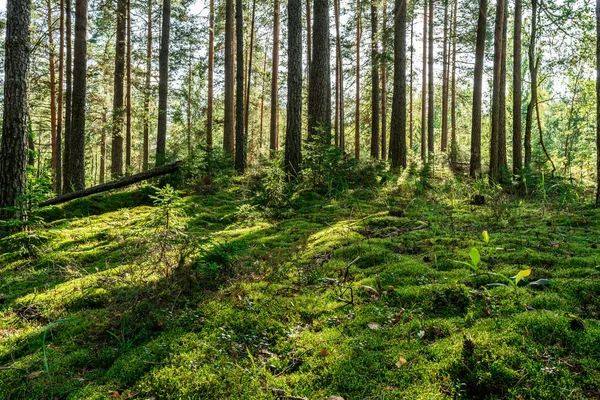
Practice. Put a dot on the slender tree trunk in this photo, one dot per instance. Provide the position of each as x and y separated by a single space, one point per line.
59 122
241 142
445 90
75 178
274 136
502 157
118 110
129 87
211 66
68 94
497 93
357 92
338 75
382 64
308 40
319 92
533 79
249 72
598 99
424 88
475 163
411 94
189 104
430 109
229 69
293 136
517 91
13 149
374 83
398 133
146 144
163 84
453 142
103 147
52 84
262 104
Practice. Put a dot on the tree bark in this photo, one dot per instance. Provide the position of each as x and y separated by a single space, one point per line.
382 66
430 108
411 94
357 92
146 144
533 79
445 91
103 148
293 135
68 93
598 100
129 87
52 84
424 88
319 93
163 84
398 133
211 66
274 131
240 139
116 168
75 176
249 72
517 91
475 162
374 83
228 132
13 149
308 41
502 157
453 142
59 123
497 93
339 82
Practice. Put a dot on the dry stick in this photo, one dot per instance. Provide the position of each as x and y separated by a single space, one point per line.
539 121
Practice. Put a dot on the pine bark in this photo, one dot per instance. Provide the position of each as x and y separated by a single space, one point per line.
163 84
116 168
146 140
249 72
103 148
497 93
598 100
357 90
453 141
240 139
228 132
411 90
475 161
319 92
68 91
59 123
339 82
274 130
424 88
308 40
293 135
129 87
52 84
383 73
431 98
211 79
445 89
533 80
517 90
398 132
13 149
502 156
374 83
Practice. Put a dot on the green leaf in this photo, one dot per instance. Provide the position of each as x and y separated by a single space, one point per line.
486 237
475 257
522 274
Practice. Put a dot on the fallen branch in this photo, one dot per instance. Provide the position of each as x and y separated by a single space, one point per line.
126 181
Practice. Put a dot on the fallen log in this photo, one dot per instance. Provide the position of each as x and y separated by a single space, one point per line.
126 181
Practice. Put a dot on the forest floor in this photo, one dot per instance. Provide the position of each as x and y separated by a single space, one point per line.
367 295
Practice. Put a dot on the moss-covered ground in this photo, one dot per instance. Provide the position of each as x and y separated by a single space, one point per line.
365 295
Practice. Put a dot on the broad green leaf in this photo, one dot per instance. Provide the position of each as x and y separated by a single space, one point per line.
486 237
475 257
522 274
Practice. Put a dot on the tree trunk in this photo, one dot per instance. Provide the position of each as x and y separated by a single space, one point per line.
424 88
308 41
398 133
146 144
445 90
357 94
319 92
293 135
517 102
453 142
430 109
59 122
497 93
384 152
118 110
411 94
129 86
475 162
52 84
229 116
13 150
163 84
598 99
240 139
68 95
502 157
189 104
249 72
75 176
274 132
339 98
103 148
374 83
211 66
262 104
533 79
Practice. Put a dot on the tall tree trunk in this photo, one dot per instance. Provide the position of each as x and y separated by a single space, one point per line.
189 104
52 84
357 92
497 93
13 149
211 66
382 63
374 83
240 139
338 76
533 80
502 157
59 122
129 87
249 72
598 99
445 64
398 133
475 162
319 92
274 135
308 40
118 110
453 142
146 144
68 94
75 178
424 88
103 147
517 91
229 67
262 104
293 135
430 109
411 94
163 84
